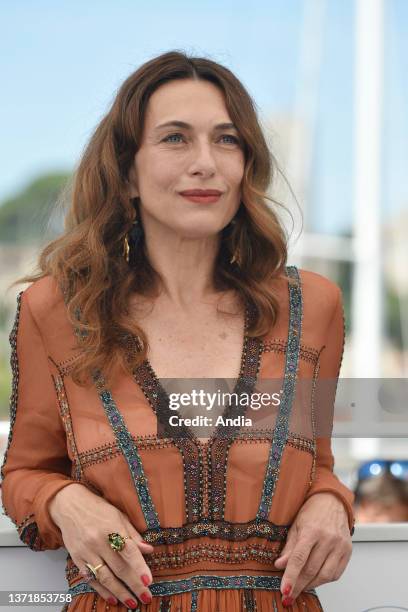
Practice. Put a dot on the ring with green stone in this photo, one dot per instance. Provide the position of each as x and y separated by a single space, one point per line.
117 542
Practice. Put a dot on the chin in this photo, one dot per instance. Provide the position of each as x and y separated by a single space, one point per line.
197 229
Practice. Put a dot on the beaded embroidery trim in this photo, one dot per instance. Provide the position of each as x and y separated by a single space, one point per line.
249 600
165 605
130 452
27 528
108 451
194 601
276 345
77 471
31 538
282 421
25 521
200 552
184 585
217 529
15 378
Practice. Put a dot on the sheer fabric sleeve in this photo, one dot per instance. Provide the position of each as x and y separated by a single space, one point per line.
329 368
36 464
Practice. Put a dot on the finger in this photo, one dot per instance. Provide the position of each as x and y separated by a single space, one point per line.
290 544
108 585
330 571
102 591
295 564
281 562
145 547
119 589
312 567
343 557
129 566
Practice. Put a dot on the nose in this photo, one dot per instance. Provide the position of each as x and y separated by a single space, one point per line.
202 159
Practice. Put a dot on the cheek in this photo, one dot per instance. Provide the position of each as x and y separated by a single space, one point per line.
234 172
156 173
160 176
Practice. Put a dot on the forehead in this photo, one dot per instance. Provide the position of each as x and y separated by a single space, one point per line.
187 100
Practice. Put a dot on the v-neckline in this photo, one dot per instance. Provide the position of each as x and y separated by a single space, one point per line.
186 431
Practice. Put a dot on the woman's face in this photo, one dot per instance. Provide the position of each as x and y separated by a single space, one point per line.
174 158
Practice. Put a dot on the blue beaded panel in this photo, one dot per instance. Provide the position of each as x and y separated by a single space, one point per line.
130 452
194 601
282 423
184 585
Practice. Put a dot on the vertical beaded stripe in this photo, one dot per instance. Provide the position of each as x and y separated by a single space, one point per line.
27 529
15 377
129 449
125 443
165 605
282 422
249 601
194 601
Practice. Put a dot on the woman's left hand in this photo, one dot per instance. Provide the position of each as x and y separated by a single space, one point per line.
318 547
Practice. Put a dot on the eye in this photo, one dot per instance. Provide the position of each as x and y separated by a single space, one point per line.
176 135
234 138
171 136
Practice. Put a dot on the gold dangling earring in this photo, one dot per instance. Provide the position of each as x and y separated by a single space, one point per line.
126 249
133 234
236 257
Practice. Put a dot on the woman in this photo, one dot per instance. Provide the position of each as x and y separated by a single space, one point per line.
152 282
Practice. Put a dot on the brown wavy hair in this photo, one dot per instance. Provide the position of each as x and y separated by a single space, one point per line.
87 260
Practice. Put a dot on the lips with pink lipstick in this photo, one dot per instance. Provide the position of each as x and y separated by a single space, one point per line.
202 196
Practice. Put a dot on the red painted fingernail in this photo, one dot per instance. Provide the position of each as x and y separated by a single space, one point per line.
288 601
287 589
131 603
146 598
145 579
144 542
112 601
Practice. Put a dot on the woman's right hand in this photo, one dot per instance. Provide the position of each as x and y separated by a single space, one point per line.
85 520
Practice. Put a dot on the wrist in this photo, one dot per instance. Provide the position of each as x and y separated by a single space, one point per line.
60 501
336 497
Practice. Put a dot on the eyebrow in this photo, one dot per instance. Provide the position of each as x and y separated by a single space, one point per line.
183 124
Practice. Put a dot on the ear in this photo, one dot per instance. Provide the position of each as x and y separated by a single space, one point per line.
132 183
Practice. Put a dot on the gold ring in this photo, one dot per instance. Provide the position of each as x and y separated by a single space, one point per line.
117 542
93 570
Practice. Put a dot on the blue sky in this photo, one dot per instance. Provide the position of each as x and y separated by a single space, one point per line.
61 63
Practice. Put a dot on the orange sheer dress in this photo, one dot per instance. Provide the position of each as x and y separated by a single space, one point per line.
217 513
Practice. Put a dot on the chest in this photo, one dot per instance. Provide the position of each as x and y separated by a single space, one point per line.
204 345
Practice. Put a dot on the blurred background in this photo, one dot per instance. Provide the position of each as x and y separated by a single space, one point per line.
330 81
